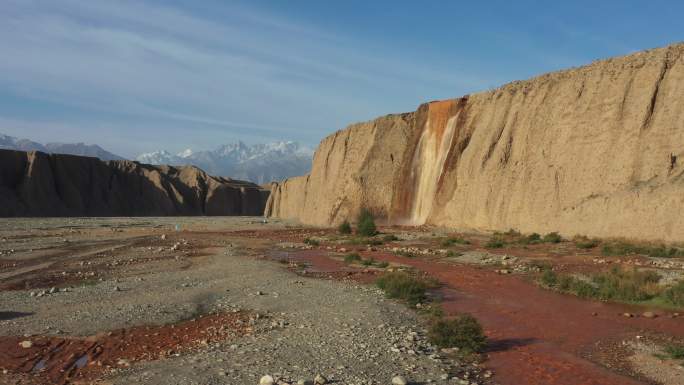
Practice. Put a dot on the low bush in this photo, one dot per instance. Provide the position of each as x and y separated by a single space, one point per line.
494 243
627 285
382 264
616 285
312 242
533 238
674 295
368 262
552 238
619 248
463 332
352 257
549 278
365 224
512 233
674 351
454 241
390 238
401 285
583 242
345 228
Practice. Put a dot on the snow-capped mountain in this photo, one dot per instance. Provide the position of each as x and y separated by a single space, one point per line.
259 163
12 143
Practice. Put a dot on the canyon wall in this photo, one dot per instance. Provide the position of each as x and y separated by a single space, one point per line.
595 150
38 184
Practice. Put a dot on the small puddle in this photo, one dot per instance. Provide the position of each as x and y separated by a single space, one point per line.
81 362
40 365
316 261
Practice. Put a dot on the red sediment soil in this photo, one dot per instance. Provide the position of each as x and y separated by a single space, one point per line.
538 337
319 265
56 360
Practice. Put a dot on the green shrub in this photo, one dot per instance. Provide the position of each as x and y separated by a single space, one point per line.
664 252
345 228
452 254
582 289
549 278
675 351
312 242
403 286
619 248
530 239
365 224
464 332
453 241
374 242
615 285
552 238
352 257
585 243
382 264
390 238
674 295
494 243
512 233
368 262
627 285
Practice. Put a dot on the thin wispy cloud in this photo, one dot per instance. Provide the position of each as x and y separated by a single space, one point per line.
191 76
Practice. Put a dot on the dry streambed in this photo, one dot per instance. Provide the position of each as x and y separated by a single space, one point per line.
208 312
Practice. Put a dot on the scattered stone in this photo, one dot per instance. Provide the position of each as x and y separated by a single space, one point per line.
399 380
163 237
266 380
26 344
649 314
320 380
116 288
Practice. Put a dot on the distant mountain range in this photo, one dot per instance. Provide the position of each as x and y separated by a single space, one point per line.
12 143
259 163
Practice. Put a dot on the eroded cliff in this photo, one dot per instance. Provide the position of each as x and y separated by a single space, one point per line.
38 184
595 150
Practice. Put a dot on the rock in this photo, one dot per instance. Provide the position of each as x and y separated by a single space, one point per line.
649 314
50 183
399 380
163 237
266 380
445 193
116 288
320 380
26 344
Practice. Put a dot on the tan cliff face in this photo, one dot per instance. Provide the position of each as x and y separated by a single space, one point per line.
596 150
38 184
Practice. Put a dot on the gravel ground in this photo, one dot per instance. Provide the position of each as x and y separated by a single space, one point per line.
344 331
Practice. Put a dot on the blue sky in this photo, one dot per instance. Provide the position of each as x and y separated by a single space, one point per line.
136 76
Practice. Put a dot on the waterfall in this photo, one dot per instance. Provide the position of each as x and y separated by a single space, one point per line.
428 164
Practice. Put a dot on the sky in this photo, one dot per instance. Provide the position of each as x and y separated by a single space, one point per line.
141 75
